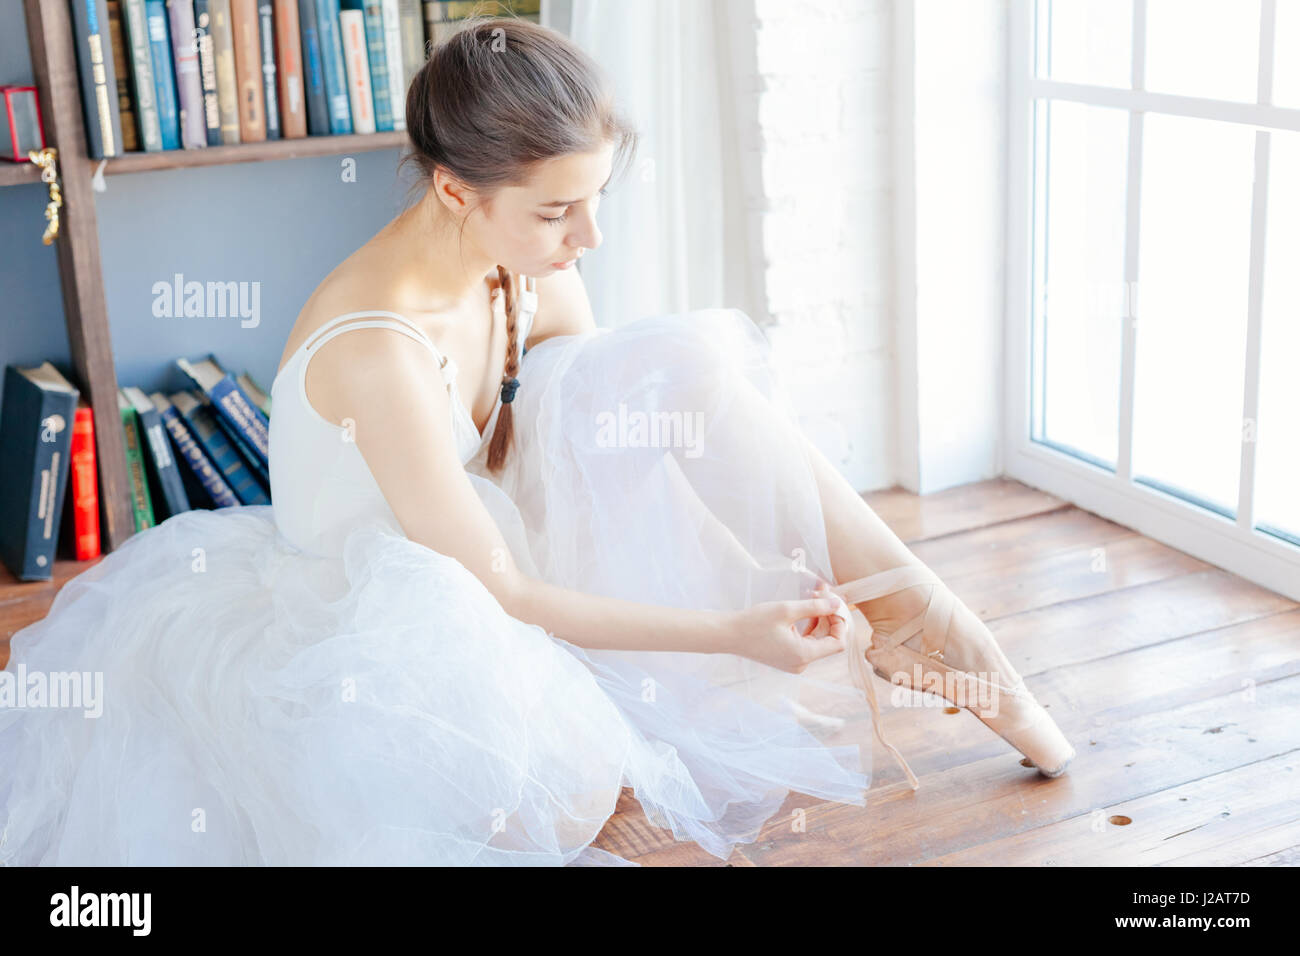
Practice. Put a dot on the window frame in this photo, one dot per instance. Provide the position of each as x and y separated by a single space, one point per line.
1230 543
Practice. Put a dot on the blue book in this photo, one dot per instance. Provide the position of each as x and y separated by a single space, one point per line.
203 426
39 406
192 453
244 419
331 58
164 75
318 116
163 474
245 450
377 53
270 96
96 69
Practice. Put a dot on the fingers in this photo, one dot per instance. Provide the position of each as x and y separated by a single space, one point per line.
792 611
814 649
826 646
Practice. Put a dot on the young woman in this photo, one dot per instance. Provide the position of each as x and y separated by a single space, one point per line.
514 562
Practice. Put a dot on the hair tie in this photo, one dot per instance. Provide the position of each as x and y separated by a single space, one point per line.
508 389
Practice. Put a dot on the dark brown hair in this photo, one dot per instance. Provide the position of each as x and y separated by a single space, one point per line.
494 100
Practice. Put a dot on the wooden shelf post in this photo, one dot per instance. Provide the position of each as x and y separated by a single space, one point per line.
50 37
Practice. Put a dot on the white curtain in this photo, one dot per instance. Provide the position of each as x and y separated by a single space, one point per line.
673 226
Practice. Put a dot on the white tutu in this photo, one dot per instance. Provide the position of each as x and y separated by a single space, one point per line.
263 706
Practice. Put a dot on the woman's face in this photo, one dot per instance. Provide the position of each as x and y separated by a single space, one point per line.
545 225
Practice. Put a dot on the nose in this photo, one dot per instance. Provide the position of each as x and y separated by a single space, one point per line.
587 237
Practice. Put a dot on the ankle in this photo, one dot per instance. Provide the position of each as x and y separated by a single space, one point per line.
886 614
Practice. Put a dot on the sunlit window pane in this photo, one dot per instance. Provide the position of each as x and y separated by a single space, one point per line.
1082 299
1086 41
1194 254
1277 462
1203 48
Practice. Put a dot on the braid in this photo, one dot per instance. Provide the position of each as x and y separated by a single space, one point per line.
501 435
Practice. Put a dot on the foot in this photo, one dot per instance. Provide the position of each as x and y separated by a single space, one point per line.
967 667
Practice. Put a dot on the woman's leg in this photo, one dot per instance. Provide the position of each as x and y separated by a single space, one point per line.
860 544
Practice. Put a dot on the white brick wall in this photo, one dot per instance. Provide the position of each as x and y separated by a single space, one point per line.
818 179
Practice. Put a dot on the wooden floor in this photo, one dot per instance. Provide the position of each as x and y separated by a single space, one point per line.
1178 683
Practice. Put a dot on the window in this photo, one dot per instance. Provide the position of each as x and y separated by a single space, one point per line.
1154 299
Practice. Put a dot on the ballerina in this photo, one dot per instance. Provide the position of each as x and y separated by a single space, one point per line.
471 616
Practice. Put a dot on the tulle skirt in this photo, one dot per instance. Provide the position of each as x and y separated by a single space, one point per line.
208 694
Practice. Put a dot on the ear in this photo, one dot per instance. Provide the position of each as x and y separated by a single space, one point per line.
451 192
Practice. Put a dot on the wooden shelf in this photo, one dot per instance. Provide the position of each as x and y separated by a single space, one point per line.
15 174
26 602
54 63
254 152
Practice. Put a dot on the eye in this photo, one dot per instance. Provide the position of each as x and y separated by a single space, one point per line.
559 219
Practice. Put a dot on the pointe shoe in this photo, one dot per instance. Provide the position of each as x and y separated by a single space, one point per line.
967 669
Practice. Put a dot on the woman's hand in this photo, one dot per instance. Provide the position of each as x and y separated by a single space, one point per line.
767 632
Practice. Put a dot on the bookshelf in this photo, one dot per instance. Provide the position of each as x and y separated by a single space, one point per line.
15 174
50 37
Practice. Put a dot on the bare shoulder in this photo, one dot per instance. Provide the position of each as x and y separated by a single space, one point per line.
349 287
563 307
362 362
370 368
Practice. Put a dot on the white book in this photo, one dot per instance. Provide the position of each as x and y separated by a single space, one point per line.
352 27
396 74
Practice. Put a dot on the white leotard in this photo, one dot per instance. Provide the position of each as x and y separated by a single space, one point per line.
321 487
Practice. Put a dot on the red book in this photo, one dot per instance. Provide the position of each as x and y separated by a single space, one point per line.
288 50
85 484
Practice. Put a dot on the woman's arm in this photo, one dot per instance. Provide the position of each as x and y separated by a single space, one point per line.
391 388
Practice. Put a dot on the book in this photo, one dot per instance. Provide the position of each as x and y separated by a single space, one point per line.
318 116
438 22
260 396
136 36
81 513
141 500
189 88
356 58
337 91
21 128
246 452
204 43
161 469
200 419
197 464
266 28
377 55
248 71
164 76
393 55
98 75
36 417
232 403
122 76
442 18
288 53
411 21
223 47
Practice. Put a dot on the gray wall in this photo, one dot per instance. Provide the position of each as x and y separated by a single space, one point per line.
282 224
